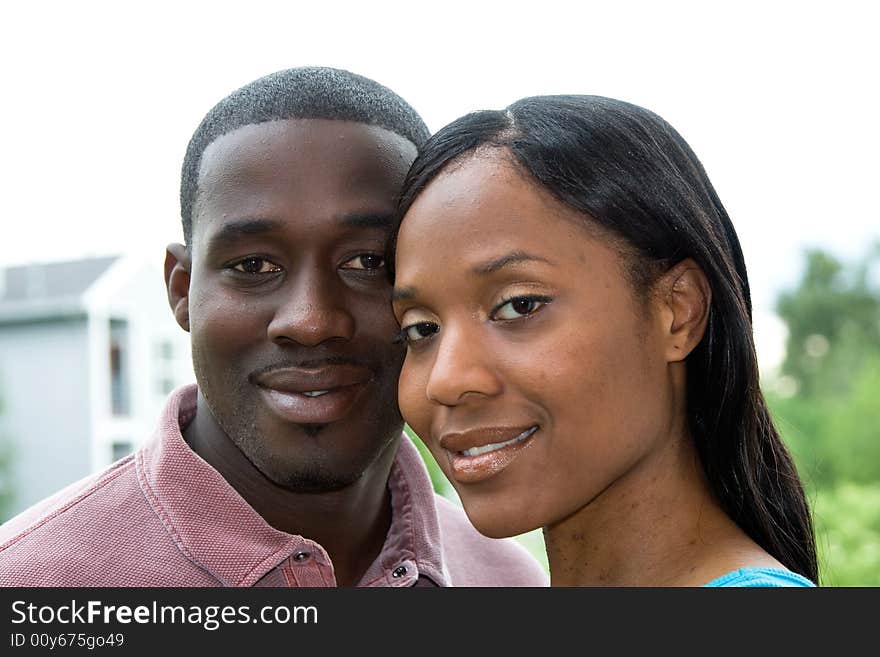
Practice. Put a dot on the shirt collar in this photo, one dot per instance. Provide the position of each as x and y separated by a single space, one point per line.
414 535
214 527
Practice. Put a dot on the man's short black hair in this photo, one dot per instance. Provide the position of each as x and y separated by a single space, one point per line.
298 93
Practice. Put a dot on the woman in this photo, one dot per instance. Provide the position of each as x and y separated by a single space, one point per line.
579 350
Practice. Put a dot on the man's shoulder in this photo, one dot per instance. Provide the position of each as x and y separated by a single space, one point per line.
476 560
71 536
41 515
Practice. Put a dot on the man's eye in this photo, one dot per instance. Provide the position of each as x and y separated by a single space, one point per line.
256 266
364 262
519 307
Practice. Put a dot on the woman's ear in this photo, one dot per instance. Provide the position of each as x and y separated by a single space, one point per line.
177 275
686 298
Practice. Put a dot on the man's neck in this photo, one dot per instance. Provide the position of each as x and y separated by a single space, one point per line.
350 524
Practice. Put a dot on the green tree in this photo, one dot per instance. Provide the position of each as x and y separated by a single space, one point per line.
828 409
847 519
833 320
832 422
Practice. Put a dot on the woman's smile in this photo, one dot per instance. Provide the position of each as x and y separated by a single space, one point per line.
490 450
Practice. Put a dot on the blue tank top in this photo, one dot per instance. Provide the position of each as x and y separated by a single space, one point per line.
761 577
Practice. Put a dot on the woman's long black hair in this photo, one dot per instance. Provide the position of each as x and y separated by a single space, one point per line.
631 172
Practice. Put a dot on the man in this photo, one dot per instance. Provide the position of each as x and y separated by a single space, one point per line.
286 466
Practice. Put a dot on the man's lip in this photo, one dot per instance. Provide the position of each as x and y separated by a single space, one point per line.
459 441
297 408
310 379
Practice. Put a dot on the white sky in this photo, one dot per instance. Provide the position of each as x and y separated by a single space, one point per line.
778 99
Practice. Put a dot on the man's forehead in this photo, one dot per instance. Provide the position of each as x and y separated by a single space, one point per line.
316 139
313 170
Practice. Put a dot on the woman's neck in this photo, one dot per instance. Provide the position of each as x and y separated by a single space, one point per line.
657 525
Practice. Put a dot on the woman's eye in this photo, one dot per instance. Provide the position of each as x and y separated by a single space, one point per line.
519 307
419 331
364 262
256 266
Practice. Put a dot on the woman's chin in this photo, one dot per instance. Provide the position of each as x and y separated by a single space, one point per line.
497 525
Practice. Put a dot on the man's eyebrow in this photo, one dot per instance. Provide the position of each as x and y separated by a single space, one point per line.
235 230
505 260
368 220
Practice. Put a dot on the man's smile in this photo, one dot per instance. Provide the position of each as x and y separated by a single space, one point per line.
312 395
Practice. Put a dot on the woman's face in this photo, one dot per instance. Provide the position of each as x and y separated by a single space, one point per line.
534 373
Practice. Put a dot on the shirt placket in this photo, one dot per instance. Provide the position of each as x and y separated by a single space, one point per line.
309 566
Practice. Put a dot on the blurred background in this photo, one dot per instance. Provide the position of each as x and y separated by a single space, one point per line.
101 98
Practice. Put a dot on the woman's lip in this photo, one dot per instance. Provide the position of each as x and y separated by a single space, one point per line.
460 441
298 408
473 469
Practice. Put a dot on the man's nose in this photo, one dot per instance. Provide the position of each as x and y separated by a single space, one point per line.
313 311
462 369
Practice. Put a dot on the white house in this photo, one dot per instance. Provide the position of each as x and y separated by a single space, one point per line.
89 350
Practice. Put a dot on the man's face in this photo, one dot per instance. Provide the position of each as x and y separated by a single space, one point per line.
289 302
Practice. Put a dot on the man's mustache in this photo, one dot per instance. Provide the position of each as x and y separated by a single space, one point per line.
314 363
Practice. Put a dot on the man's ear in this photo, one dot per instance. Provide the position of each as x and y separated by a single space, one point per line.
687 299
178 264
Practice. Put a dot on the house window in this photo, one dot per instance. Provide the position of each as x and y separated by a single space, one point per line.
165 350
164 385
165 381
120 449
120 389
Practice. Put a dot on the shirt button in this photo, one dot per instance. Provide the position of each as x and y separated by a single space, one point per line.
400 571
301 556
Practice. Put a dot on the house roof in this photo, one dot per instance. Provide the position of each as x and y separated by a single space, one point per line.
53 279
48 289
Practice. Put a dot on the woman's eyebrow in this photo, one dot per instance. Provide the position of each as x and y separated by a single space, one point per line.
506 260
402 293
484 269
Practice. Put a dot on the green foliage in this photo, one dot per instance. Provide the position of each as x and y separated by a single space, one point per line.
828 411
835 438
533 541
847 521
802 423
438 479
852 432
832 422
833 318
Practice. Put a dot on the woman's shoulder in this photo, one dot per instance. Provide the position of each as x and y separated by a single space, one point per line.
758 577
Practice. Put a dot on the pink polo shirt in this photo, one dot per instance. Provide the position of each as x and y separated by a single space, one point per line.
164 517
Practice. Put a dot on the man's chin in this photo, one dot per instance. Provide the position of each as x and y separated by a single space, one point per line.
312 480
314 458
312 430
